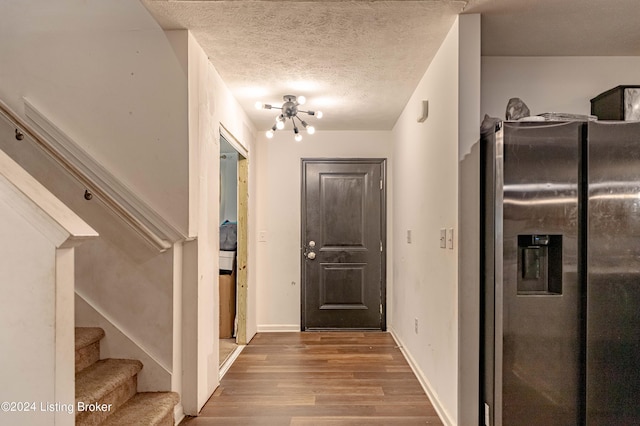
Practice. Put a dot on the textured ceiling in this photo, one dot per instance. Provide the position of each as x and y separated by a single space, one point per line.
360 60
357 61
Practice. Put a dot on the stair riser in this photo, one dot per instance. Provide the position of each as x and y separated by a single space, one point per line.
117 397
87 356
167 420
146 408
94 377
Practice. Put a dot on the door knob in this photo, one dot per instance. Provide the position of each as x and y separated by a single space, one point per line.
311 255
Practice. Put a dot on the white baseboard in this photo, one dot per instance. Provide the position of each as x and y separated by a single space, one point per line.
428 389
178 413
230 360
270 328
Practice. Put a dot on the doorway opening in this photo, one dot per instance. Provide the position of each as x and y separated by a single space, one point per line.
232 284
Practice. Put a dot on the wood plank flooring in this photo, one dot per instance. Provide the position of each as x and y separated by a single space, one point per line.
319 378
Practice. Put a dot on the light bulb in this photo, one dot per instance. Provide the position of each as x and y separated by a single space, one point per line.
319 114
259 105
298 137
301 100
280 125
269 134
311 130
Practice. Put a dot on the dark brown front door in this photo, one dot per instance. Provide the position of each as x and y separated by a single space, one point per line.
343 244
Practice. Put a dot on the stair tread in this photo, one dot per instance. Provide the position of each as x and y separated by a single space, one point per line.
144 409
104 376
86 336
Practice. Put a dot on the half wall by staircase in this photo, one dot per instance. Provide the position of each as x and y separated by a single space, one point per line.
39 235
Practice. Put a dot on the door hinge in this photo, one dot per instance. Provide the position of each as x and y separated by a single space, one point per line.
381 246
381 309
381 184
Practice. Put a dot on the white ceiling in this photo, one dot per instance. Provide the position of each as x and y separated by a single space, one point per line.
559 27
359 61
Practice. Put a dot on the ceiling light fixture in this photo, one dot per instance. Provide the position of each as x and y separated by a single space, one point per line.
290 110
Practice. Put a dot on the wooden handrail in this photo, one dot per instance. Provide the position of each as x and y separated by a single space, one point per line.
100 183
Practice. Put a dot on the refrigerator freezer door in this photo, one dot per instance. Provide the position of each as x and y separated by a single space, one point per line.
540 298
613 277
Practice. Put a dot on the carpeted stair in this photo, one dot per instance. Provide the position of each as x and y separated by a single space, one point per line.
106 389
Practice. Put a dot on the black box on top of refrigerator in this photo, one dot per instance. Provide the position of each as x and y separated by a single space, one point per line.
620 103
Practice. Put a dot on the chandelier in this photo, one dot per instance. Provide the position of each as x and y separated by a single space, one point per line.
290 110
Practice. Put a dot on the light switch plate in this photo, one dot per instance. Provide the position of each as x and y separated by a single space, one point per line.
443 238
450 238
409 236
262 236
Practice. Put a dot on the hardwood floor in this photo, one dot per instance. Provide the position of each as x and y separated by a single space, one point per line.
319 378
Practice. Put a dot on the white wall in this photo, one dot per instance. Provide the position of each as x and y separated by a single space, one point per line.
425 189
105 73
552 84
38 235
111 79
147 105
28 316
210 106
278 212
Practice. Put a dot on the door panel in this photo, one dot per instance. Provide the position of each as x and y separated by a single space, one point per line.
342 286
342 244
613 278
541 292
343 197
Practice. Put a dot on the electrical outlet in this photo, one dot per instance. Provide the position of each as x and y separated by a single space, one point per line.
415 325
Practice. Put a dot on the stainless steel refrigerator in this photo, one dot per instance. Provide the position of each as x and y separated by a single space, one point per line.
561 274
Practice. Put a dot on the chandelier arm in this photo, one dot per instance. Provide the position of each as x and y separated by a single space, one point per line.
294 122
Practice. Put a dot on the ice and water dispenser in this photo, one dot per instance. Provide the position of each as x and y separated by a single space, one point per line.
539 264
